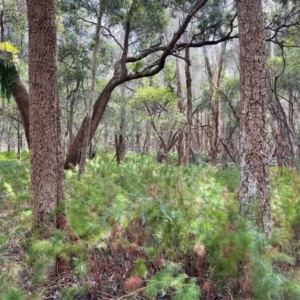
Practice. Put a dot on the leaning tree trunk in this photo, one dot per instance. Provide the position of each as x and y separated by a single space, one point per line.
254 191
74 151
86 138
21 96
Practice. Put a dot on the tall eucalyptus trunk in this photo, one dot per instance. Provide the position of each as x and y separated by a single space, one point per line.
47 176
254 191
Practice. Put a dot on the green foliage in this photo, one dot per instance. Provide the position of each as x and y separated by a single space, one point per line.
152 94
178 216
140 268
229 177
141 17
7 72
14 175
172 280
214 20
73 292
291 290
7 69
13 294
13 155
267 283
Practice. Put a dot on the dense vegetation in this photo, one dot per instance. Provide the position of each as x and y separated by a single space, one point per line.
142 230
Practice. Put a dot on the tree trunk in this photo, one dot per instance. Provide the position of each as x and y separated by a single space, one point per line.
222 135
279 141
119 137
21 96
214 84
71 113
2 24
189 112
74 151
291 128
47 189
120 148
19 140
180 144
254 191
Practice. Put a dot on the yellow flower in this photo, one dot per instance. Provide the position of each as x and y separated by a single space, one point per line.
8 47
10 50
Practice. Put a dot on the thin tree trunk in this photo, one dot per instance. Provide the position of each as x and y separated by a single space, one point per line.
254 191
279 141
222 135
86 138
19 140
21 96
197 133
146 144
119 137
2 23
180 144
189 112
291 126
205 134
214 83
74 98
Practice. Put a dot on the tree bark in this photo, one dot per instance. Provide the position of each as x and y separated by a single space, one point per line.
189 111
180 144
21 96
254 191
278 134
120 142
47 187
2 24
291 129
71 113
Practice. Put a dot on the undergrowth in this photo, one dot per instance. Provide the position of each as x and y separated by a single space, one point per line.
150 231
